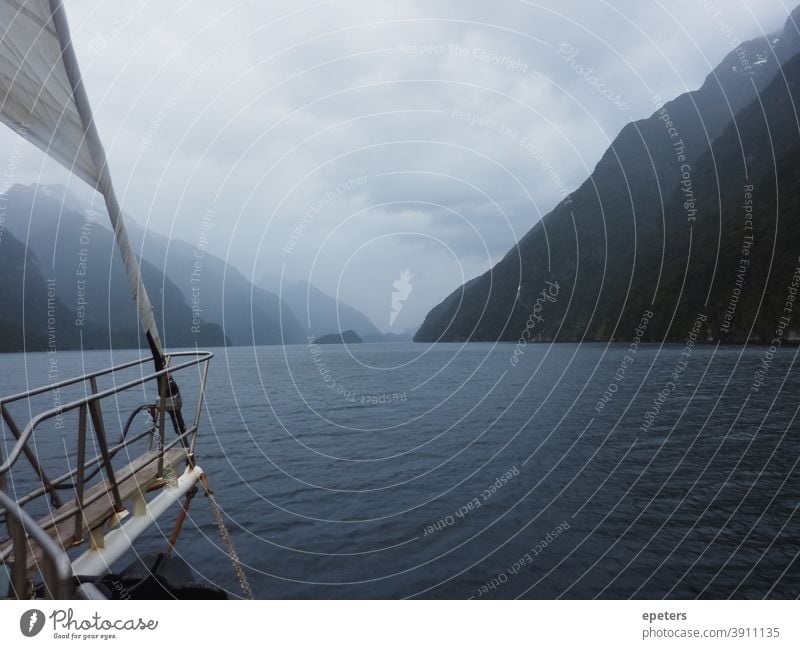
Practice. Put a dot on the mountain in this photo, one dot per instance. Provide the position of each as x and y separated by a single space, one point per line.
348 337
611 251
249 314
76 250
740 267
32 314
406 336
194 295
319 312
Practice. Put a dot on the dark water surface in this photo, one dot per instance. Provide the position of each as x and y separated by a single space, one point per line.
386 471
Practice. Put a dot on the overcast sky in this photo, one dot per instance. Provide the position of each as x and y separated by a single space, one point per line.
343 142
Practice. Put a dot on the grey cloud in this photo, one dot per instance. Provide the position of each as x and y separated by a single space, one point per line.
211 104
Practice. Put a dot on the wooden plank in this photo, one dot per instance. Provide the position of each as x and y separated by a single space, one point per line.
136 476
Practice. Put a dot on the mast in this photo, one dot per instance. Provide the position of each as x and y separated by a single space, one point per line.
104 184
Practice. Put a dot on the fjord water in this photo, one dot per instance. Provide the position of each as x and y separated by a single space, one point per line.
385 471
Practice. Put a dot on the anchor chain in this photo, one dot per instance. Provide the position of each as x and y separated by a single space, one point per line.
226 537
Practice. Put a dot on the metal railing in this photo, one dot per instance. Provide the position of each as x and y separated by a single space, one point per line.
23 530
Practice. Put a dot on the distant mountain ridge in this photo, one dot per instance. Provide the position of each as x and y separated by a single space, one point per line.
613 241
319 312
32 314
198 298
249 314
348 337
78 254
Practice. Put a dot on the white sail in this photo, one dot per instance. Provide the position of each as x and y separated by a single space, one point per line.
42 97
35 91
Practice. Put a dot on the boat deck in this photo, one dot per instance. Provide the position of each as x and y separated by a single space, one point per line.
99 505
72 525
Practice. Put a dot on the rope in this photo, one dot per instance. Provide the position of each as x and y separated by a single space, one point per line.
226 538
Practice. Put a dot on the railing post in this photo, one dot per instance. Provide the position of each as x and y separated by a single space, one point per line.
81 472
19 572
56 569
100 433
162 410
51 585
198 410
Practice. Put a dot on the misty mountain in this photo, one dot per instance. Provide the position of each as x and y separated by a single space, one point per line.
249 314
29 302
405 336
738 266
617 248
320 313
348 337
75 249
